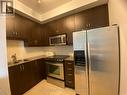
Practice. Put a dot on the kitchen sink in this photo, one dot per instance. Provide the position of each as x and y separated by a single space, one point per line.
18 61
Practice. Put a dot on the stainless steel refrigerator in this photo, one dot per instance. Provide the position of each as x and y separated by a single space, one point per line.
97 61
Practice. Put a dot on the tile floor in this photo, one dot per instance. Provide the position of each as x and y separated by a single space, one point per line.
45 88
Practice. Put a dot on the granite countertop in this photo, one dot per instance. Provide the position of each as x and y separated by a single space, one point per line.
10 64
70 58
25 60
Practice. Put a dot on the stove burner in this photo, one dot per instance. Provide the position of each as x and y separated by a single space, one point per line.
58 58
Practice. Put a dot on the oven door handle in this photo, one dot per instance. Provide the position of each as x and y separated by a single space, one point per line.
55 64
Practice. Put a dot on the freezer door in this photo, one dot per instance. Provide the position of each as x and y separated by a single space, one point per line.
81 72
103 50
79 40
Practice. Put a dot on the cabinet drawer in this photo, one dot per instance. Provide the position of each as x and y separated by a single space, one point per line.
69 74
70 84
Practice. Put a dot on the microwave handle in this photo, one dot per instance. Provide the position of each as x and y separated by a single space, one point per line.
62 38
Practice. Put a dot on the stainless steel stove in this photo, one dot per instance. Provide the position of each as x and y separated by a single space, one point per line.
55 69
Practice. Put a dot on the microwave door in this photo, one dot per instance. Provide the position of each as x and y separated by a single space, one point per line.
58 40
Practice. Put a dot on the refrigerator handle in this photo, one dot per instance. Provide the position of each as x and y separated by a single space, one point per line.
86 57
89 57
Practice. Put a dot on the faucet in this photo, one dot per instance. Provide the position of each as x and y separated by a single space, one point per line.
14 58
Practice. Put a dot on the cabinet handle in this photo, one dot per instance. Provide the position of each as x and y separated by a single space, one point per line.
16 33
69 82
89 25
69 69
69 63
57 31
35 41
35 63
13 33
23 67
20 68
69 74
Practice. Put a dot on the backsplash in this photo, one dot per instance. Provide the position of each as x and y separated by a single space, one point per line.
17 47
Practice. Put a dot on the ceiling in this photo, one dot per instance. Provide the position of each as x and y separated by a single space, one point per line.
44 6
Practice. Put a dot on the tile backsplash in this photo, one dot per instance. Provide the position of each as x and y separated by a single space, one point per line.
17 47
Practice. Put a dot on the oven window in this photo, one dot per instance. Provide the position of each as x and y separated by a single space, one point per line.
54 69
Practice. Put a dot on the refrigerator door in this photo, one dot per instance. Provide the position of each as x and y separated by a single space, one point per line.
81 72
81 81
103 52
79 40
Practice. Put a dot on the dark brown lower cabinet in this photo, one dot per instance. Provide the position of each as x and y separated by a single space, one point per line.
69 74
25 76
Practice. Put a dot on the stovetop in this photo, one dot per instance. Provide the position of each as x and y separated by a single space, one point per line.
58 58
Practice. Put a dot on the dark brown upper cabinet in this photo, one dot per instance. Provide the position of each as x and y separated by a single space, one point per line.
53 28
68 28
10 26
92 18
64 25
14 26
45 35
35 34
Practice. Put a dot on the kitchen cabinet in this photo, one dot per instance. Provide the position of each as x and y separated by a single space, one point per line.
28 32
35 34
68 28
69 74
10 26
40 71
64 25
14 26
92 18
45 35
19 29
24 76
53 28
15 80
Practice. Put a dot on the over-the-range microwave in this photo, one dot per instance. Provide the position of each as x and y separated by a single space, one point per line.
58 40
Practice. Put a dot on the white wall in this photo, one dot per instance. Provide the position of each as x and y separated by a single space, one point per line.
118 15
26 52
4 81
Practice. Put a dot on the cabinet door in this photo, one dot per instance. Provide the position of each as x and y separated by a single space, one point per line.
52 27
18 27
80 21
39 70
36 35
29 28
15 78
92 18
97 17
45 35
10 26
15 27
27 77
69 28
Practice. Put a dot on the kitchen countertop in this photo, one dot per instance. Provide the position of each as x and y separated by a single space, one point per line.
70 58
10 64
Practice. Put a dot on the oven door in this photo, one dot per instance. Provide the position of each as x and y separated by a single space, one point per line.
55 70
